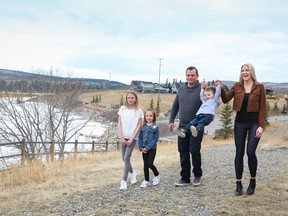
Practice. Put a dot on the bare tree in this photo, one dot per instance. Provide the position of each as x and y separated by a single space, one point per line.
52 112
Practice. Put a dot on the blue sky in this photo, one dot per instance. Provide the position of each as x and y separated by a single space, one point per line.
123 40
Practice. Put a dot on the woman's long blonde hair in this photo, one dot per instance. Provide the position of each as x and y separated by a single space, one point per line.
252 72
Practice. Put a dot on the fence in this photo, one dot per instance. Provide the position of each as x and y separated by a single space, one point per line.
52 152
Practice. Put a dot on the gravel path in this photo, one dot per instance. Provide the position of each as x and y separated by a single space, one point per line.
166 199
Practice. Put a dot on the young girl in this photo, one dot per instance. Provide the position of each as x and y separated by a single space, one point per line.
148 138
129 124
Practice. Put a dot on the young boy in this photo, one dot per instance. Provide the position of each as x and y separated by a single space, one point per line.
210 97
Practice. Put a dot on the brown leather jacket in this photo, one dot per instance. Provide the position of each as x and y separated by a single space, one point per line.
256 101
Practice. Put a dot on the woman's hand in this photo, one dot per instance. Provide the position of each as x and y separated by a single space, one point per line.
218 82
259 132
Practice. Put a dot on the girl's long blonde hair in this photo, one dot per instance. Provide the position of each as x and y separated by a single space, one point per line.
136 105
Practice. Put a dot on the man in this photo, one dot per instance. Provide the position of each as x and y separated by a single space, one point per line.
186 104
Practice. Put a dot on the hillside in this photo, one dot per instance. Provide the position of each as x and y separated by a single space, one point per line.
6 74
13 75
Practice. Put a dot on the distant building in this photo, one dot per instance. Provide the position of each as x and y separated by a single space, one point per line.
175 87
148 87
162 89
142 86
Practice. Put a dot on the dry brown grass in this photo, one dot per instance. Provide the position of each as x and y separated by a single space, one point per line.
114 97
39 184
109 97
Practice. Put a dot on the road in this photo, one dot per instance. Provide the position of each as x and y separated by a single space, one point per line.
216 124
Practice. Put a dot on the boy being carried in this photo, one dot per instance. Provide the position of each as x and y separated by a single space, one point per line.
210 97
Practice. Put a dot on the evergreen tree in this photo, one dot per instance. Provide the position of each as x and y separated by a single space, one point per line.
158 108
152 104
268 106
121 101
100 98
284 110
166 84
97 99
227 122
267 114
93 99
276 107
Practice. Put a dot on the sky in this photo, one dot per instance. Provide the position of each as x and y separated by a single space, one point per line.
139 39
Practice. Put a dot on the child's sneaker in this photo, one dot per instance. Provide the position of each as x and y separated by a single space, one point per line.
133 177
145 184
123 185
180 132
194 131
156 180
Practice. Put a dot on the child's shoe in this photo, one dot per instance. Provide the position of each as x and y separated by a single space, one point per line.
133 177
180 132
123 185
145 184
156 180
194 131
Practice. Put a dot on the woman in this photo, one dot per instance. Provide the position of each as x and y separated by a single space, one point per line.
250 105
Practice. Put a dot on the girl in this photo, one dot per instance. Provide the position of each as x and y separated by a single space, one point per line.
148 138
129 124
250 104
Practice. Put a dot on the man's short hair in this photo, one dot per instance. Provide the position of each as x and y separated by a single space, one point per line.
192 68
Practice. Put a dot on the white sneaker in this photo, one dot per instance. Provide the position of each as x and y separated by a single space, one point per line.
133 177
123 185
194 131
156 180
145 184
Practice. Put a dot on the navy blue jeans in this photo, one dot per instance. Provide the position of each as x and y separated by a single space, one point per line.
186 146
200 121
245 132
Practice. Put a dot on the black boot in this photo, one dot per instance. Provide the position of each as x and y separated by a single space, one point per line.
239 188
251 187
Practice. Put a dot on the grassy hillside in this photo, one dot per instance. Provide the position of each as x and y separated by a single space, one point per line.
110 97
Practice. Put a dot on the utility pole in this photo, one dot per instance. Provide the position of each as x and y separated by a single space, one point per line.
158 101
160 60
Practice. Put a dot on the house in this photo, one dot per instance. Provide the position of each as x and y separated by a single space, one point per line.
142 86
147 87
162 89
175 87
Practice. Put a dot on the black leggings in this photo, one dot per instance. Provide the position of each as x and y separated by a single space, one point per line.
241 130
148 160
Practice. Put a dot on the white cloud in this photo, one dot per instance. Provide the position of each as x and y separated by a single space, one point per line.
102 38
